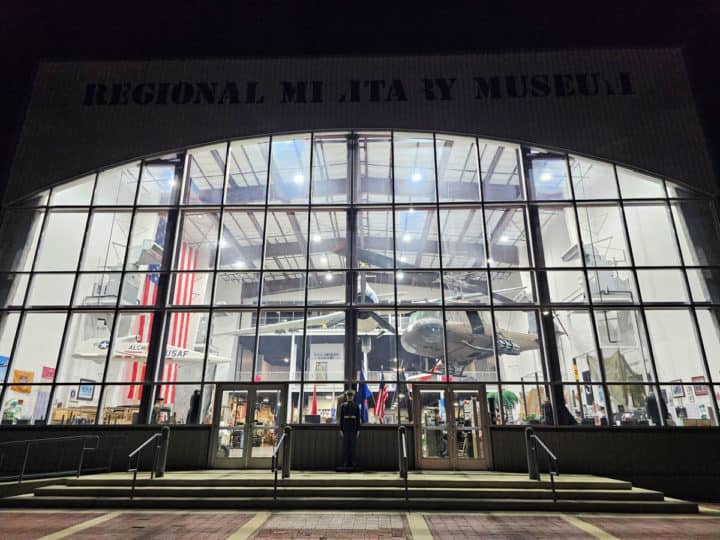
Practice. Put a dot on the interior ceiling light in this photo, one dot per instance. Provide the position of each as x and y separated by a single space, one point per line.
239 264
298 178
286 360
546 176
416 177
504 238
403 259
491 261
328 277
317 238
407 237
400 275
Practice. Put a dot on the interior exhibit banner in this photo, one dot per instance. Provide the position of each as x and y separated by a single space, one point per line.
631 106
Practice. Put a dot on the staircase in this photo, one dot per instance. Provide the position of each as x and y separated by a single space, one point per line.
467 491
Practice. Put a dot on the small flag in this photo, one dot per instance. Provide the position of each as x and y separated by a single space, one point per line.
362 396
381 399
313 404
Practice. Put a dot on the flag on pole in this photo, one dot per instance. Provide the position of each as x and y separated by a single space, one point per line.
362 396
382 396
313 404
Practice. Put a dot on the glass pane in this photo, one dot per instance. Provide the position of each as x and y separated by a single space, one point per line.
97 289
325 346
374 175
414 167
463 240
625 353
469 415
635 185
422 340
677 191
612 287
374 288
75 404
50 289
8 327
688 405
418 287
470 345
121 404
197 242
526 403
106 241
433 424
266 422
548 176
512 287
86 348
190 288
709 324
117 186
517 344
416 238
232 418
237 288
12 289
280 346
205 174
697 227
634 405
592 179
574 336
283 288
37 348
286 240
330 170
147 241
247 171
140 289
328 239
242 240
25 404
651 235
500 171
662 285
705 285
603 236
376 352
466 287
320 403
37 199
326 288
290 169
129 349
176 404
457 165
507 241
584 405
62 238
558 236
231 345
184 349
19 238
159 180
675 345
567 286
374 240
75 193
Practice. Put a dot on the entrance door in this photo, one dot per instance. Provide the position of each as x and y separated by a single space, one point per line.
246 425
451 427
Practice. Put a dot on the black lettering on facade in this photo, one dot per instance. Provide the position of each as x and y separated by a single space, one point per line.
206 93
396 92
487 88
540 87
182 93
143 93
293 92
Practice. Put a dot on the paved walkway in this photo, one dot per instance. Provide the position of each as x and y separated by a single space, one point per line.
172 524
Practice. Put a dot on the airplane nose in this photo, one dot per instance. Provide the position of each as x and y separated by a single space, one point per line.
431 333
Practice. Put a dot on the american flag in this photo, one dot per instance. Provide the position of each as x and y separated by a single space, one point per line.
167 391
184 290
382 396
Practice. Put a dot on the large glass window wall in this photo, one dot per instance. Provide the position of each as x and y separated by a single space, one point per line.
581 292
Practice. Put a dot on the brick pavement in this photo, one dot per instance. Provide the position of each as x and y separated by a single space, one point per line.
31 525
657 528
517 527
338 526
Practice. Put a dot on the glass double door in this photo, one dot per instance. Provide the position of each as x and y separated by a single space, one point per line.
246 425
451 427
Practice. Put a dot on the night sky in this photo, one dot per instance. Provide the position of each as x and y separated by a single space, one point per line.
81 30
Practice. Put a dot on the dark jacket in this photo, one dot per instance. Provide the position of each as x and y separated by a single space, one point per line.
349 416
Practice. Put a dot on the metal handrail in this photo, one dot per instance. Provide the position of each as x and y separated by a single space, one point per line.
531 438
136 454
284 444
29 442
403 457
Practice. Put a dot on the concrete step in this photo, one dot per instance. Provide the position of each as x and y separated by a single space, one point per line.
359 482
668 506
75 490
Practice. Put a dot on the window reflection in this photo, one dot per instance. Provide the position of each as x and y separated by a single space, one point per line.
330 173
247 171
414 167
290 169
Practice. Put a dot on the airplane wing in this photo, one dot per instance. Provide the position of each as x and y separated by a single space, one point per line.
288 327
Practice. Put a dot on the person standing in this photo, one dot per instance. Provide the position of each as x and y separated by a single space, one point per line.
349 420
